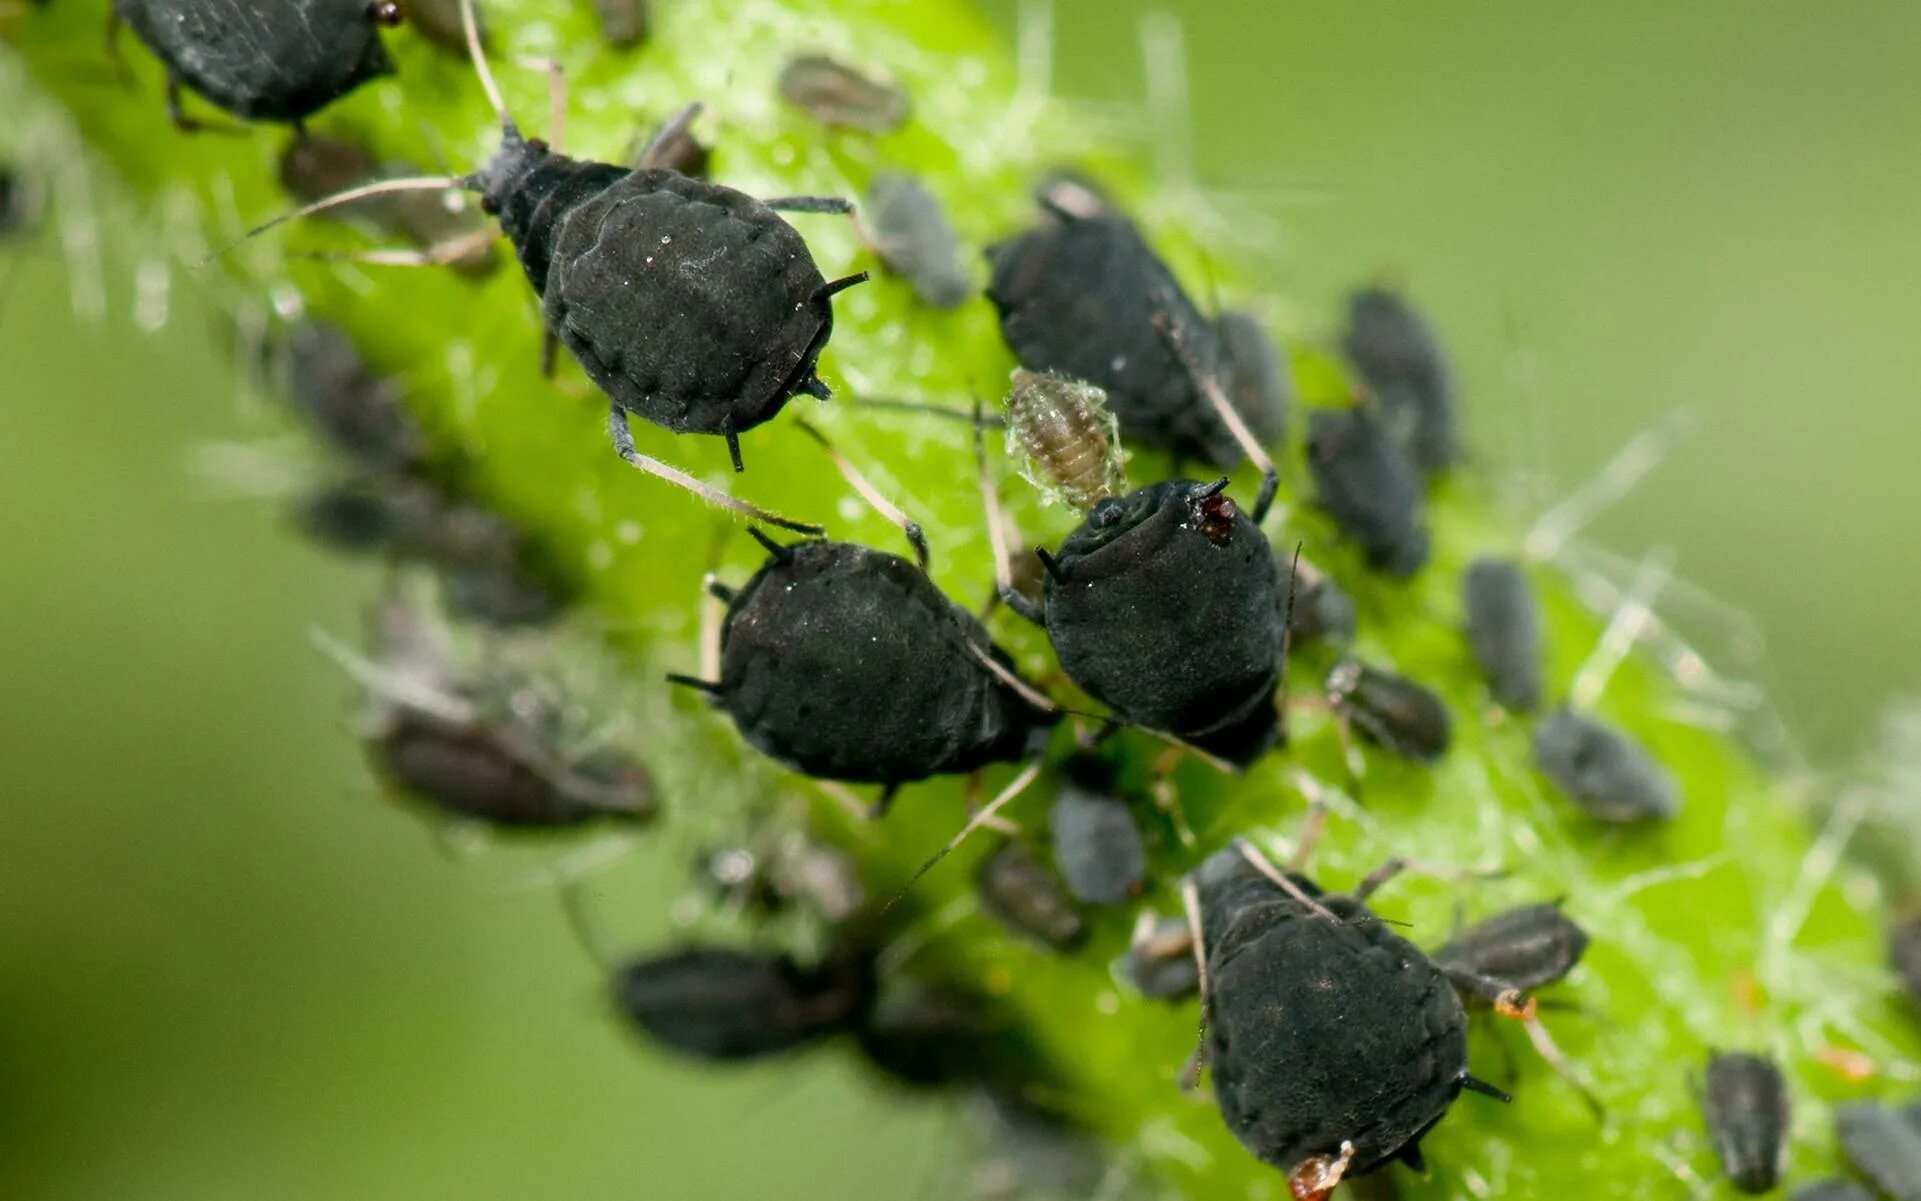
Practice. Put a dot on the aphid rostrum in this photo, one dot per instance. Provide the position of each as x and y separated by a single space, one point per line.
1744 1102
1016 890
911 234
1368 486
263 60
1399 357
1503 628
834 93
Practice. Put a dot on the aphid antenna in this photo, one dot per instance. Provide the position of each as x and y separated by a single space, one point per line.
395 686
383 187
625 448
933 410
1609 486
1191 909
1279 879
1623 630
876 501
981 817
556 97
450 251
1177 341
470 27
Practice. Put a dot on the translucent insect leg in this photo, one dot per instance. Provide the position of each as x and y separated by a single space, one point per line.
868 492
985 814
1224 409
996 535
624 446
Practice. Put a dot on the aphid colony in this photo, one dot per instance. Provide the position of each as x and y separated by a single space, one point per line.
1334 1043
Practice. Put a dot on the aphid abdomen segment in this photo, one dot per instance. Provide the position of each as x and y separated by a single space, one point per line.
1066 438
690 304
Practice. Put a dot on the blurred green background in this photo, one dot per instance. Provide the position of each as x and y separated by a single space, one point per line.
227 970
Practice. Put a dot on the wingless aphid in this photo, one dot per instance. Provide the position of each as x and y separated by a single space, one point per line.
688 303
911 234
1016 890
720 1005
1097 843
1390 711
1603 770
1368 486
1503 629
1745 1105
1883 1145
834 93
261 60
1399 357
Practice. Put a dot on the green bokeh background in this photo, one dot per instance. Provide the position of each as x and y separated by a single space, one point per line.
226 970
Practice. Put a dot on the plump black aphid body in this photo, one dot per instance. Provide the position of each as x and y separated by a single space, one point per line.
1527 947
722 1005
688 303
834 93
1097 843
1882 1144
1165 604
1904 956
847 663
1159 962
1390 711
502 775
1082 294
624 23
1601 769
264 60
1745 1104
1399 357
1367 484
914 238
1503 628
1323 611
314 167
1256 376
1322 1031
1016 890
1831 1190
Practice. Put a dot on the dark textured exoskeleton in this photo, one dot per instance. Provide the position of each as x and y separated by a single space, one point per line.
498 774
1335 1044
1745 1105
1016 890
1165 604
1097 843
1257 378
1392 712
1367 484
1504 631
1084 295
1602 769
913 237
263 60
313 167
834 93
1399 357
722 1005
1883 1145
1528 947
847 663
1160 958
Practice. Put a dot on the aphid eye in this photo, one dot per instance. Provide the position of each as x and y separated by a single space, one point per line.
1108 512
1215 516
385 12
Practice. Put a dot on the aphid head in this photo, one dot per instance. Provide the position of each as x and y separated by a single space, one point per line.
503 173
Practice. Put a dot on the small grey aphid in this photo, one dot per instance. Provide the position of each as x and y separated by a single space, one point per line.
834 93
1601 769
1368 486
1017 890
262 60
1160 958
1883 1145
1399 357
1503 628
1097 843
624 23
1528 947
1745 1104
913 237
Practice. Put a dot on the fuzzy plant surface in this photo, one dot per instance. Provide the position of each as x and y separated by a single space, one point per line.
1730 926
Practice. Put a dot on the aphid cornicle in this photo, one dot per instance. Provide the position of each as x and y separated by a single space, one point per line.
1016 890
1368 485
721 1005
1883 1145
1745 1105
1602 769
912 235
847 663
262 60
1097 843
1503 629
1399 357
834 93
1082 294
1529 947
1390 711
1335 1044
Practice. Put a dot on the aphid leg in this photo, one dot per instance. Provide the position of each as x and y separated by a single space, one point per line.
1191 909
1028 692
865 487
844 796
715 596
1375 880
1279 878
110 46
987 813
1312 827
556 99
185 122
1313 1179
669 132
1204 379
470 25
550 353
625 448
812 204
1166 797
971 800
1475 1084
996 535
1511 1003
883 803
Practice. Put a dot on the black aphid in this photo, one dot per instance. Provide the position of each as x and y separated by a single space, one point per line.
688 303
1367 484
834 93
1322 610
912 235
923 1036
1831 1190
1904 956
1160 958
1602 769
262 60
624 23
722 1005
1745 1105
1082 294
1390 711
314 167
1335 1044
1528 947
1255 376
1097 843
847 663
1399 357
1883 1145
357 411
499 773
1016 890
1504 631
